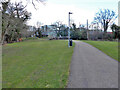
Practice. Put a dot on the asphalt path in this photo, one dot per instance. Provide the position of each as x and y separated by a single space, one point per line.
91 68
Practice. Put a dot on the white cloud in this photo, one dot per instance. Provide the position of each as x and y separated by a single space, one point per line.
53 12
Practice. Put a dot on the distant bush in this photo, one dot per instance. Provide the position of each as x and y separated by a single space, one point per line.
110 37
29 38
79 35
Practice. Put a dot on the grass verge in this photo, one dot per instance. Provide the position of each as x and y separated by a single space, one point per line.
108 47
36 64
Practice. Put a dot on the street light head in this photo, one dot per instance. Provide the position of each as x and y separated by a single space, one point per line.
70 13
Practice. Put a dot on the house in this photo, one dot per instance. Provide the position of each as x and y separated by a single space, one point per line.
53 31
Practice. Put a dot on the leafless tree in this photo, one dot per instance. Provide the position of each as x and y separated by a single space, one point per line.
105 17
13 19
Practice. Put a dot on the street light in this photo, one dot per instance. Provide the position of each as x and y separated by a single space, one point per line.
119 13
69 28
87 31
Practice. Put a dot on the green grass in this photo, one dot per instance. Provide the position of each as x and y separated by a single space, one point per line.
36 64
108 47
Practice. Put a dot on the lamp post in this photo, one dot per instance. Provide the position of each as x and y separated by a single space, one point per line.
119 13
69 29
87 31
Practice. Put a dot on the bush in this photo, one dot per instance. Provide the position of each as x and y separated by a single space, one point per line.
110 37
79 35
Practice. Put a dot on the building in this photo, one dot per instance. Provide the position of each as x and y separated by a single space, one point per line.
53 31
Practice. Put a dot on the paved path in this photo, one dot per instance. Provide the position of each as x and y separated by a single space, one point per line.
90 68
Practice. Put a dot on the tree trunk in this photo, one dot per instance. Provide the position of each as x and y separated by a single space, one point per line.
105 29
3 38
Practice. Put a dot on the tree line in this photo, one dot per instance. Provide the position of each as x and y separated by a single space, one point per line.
14 18
103 20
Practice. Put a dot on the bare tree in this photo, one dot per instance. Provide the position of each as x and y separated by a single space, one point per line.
13 19
28 1
33 2
104 17
39 31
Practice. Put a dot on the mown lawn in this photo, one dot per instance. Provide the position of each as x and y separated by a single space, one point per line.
108 47
36 64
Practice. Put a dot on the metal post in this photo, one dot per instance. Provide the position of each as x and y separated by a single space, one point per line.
0 50
69 29
119 13
87 31
97 31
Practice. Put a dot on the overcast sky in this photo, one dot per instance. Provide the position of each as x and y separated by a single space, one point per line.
57 10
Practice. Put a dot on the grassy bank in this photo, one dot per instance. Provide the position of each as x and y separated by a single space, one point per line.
108 47
36 64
